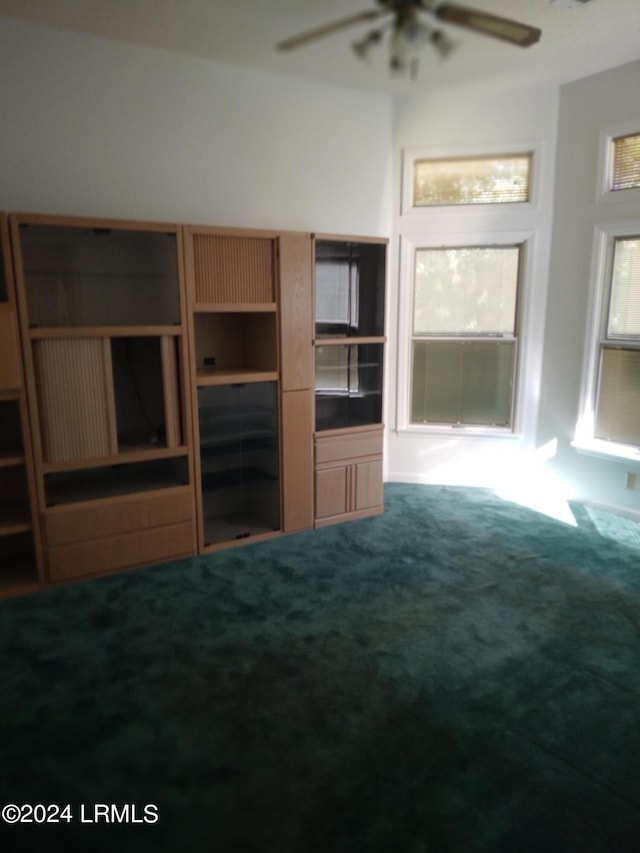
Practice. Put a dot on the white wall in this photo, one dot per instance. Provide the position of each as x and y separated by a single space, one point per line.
586 107
103 128
478 121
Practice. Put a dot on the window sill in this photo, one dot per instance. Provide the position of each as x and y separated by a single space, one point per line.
607 450
458 431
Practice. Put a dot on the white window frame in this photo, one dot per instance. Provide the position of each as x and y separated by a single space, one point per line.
519 208
408 247
598 313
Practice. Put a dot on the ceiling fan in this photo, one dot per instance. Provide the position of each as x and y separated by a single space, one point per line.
409 32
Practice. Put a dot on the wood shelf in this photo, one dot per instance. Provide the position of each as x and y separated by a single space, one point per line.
232 376
11 457
234 308
118 459
38 332
348 341
14 520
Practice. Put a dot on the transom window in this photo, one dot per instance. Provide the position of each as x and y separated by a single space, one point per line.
493 179
625 170
464 335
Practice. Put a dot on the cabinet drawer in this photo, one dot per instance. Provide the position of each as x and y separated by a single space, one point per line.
334 448
84 559
64 525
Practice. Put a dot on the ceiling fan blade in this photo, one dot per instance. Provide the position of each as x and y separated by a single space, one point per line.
328 29
490 25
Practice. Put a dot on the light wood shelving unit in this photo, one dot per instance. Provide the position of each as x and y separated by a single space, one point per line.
20 552
168 390
104 335
349 288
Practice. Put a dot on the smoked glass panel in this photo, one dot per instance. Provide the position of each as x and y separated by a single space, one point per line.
239 457
99 276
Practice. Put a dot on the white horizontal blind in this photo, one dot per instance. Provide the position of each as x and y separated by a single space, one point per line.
478 180
618 394
626 162
624 308
333 288
618 409
462 382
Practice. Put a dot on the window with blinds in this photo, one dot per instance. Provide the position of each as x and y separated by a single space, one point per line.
618 394
625 172
464 335
477 180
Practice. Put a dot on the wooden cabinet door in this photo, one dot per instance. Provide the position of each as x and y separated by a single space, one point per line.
76 402
368 485
332 494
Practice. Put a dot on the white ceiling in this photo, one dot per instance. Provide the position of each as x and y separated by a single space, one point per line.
578 39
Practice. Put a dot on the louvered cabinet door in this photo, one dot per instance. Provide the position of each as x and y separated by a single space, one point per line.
74 382
233 270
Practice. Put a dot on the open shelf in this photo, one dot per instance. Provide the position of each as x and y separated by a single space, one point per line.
230 344
349 288
348 385
10 456
104 397
18 568
14 519
117 479
227 376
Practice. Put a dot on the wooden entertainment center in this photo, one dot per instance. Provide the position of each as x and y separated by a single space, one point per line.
168 390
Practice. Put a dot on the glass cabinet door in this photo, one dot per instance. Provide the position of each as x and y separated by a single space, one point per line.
82 276
239 457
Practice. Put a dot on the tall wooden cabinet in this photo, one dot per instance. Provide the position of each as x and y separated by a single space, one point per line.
350 276
168 390
20 554
250 314
104 340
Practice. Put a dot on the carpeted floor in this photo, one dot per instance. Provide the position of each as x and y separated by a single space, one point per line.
459 675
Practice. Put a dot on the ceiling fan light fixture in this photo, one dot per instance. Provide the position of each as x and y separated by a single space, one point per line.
409 34
363 47
442 43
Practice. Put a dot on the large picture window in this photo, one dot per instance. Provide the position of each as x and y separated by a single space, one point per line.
617 409
464 337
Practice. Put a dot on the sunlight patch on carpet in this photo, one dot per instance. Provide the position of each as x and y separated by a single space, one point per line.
529 483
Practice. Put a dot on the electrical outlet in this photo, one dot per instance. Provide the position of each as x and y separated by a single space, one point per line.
630 481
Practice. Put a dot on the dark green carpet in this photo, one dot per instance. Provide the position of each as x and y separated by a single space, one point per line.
459 674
